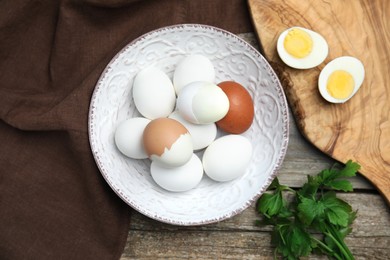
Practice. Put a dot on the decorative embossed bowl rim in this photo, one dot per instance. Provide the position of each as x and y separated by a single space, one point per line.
233 59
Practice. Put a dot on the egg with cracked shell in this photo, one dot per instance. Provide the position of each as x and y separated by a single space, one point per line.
202 134
202 102
167 142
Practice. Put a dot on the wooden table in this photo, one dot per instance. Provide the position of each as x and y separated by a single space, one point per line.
240 238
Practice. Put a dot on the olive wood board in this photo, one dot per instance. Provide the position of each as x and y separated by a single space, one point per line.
360 128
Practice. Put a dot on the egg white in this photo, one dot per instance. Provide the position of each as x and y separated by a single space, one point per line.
316 57
347 63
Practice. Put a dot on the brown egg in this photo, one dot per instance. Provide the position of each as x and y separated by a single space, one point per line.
167 142
241 111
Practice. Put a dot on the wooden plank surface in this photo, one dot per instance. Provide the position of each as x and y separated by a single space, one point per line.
360 128
240 238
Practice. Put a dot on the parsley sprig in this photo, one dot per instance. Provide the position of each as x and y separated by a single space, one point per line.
314 219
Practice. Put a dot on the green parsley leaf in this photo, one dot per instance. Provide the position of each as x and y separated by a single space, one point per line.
315 219
342 185
270 204
292 241
300 241
310 188
331 177
337 211
275 184
349 170
309 209
328 174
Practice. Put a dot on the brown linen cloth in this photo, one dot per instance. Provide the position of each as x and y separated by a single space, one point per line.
54 203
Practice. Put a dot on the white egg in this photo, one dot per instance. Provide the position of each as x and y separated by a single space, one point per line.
340 79
178 179
202 135
202 102
192 68
298 53
128 137
227 157
153 93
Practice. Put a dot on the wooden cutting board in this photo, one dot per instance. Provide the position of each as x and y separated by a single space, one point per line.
360 128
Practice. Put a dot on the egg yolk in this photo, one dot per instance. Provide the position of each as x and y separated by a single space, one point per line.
298 43
340 84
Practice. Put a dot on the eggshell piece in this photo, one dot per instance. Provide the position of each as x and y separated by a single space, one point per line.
178 179
192 68
202 135
240 115
128 137
167 142
227 158
202 102
153 93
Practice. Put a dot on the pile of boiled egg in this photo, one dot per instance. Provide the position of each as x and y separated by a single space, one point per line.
302 48
178 127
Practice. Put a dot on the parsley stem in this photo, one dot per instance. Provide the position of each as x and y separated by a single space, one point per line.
290 189
345 247
340 244
324 246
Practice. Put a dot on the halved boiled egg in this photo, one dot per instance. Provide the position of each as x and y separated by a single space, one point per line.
340 79
302 48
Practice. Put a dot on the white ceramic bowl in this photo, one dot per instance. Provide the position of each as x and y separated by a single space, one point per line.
233 59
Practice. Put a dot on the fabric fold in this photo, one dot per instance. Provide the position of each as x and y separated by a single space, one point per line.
54 203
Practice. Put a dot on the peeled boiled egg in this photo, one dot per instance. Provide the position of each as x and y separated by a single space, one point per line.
192 68
128 137
241 110
202 102
227 157
153 93
340 79
167 142
301 48
178 179
202 135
